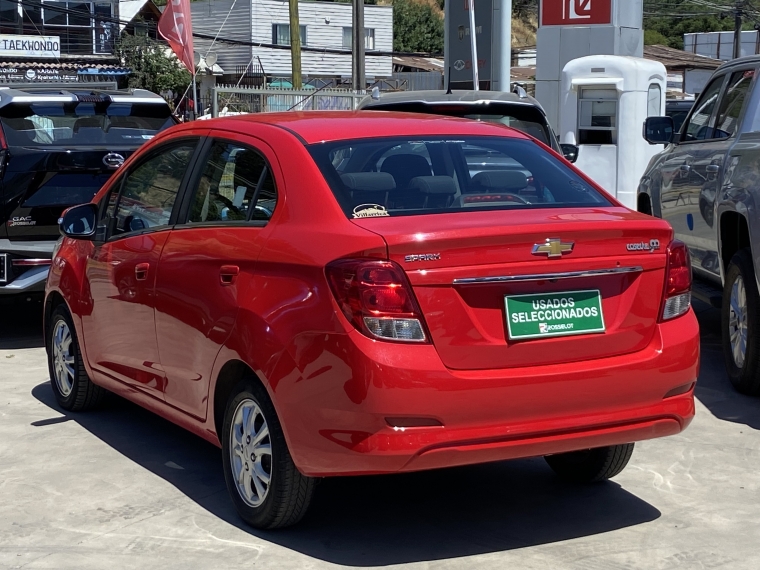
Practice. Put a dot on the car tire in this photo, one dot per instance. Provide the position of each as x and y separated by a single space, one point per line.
740 317
73 389
591 465
284 499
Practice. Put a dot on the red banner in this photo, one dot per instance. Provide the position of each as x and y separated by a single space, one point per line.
575 12
176 27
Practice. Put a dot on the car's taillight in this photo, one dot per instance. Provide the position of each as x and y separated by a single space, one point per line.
377 298
677 294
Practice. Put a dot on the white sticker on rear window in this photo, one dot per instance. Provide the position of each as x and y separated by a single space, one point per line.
370 211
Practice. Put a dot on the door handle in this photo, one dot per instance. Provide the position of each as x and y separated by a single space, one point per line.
228 274
141 271
685 169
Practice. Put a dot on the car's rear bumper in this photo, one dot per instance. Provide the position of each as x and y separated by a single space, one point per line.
25 279
338 416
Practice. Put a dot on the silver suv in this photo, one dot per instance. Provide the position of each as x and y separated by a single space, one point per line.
706 183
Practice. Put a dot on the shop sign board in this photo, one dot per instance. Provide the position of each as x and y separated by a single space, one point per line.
576 12
30 46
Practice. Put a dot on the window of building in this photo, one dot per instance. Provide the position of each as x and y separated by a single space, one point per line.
369 38
9 17
597 116
281 34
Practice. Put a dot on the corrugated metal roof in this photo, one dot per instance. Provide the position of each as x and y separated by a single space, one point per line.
673 58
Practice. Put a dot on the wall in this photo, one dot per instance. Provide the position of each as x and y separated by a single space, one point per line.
208 16
696 80
720 45
324 28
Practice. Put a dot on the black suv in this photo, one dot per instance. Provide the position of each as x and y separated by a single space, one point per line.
516 109
57 148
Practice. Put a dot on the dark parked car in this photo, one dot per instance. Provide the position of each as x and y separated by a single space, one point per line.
57 148
517 110
706 183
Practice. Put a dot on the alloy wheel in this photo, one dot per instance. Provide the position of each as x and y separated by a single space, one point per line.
737 322
251 453
63 358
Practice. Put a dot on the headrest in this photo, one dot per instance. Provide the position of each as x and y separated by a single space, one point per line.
369 181
20 124
501 180
434 185
87 122
248 168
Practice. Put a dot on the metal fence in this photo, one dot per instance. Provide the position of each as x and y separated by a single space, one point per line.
231 99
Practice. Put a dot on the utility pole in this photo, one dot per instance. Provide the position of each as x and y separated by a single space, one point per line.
295 45
738 29
358 82
474 48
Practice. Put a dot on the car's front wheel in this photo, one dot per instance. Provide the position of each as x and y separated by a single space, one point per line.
591 465
741 325
264 484
73 389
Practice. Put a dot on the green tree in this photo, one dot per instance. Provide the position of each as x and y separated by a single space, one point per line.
417 27
153 65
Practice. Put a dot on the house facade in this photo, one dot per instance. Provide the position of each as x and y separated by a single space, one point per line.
54 41
324 26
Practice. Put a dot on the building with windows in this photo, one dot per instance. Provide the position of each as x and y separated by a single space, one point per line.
66 41
265 24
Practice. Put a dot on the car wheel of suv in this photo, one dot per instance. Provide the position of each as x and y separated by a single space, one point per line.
591 465
73 389
264 484
740 325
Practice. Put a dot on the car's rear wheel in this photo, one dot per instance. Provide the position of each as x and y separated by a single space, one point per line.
264 484
740 324
73 389
591 465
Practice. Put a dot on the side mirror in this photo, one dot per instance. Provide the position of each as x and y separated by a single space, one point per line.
78 222
659 130
570 152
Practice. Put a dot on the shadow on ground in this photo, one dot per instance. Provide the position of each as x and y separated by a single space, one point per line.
714 389
21 323
379 520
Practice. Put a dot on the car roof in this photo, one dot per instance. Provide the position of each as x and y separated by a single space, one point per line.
755 59
329 126
457 96
52 94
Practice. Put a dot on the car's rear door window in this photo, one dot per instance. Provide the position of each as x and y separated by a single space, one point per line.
402 176
235 185
150 189
732 103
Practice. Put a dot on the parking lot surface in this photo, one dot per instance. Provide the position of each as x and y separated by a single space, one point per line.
122 488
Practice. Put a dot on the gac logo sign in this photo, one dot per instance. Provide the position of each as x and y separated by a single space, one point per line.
576 12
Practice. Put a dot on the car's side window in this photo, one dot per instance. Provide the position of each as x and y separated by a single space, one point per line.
150 190
228 185
732 103
698 127
236 184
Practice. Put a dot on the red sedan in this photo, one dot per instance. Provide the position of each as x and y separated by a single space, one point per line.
330 294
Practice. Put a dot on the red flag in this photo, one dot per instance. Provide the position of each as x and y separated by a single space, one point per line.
176 27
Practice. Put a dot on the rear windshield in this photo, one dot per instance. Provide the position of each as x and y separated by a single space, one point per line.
87 124
400 176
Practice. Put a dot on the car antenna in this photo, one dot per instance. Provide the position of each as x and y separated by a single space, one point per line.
448 90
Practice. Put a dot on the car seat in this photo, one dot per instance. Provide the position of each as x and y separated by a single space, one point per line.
403 168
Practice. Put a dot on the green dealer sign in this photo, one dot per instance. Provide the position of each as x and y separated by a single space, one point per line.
554 314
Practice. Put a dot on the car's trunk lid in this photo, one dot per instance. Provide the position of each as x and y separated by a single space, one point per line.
462 274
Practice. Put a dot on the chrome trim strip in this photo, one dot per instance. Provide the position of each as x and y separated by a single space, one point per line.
548 276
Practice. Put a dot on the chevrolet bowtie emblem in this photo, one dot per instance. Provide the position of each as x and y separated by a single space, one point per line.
553 248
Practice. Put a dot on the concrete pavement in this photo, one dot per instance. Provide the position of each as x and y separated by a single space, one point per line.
121 488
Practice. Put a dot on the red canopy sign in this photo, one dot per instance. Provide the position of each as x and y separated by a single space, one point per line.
576 12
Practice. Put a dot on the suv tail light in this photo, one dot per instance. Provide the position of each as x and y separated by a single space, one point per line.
677 294
377 298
